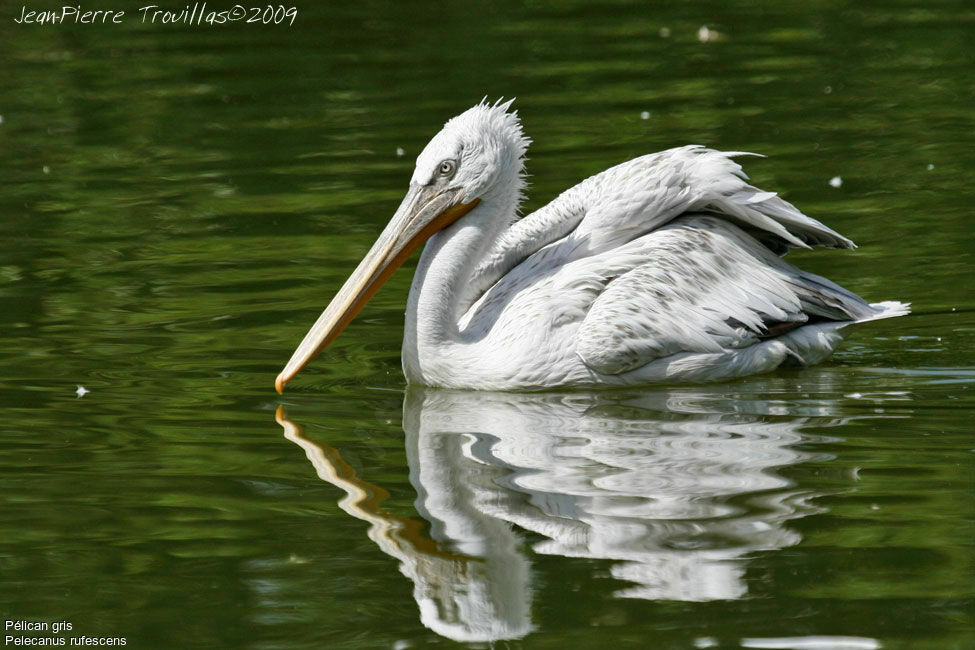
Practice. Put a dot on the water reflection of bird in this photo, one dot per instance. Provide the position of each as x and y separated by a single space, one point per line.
664 268
674 489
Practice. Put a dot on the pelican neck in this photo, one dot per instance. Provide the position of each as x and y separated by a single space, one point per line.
450 258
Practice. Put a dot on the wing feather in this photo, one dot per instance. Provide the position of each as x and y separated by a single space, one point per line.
651 275
634 198
700 284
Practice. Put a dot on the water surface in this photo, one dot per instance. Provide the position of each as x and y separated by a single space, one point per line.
180 202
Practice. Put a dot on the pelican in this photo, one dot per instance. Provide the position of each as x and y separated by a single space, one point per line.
665 268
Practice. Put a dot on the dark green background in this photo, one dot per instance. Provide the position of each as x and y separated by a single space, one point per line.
179 202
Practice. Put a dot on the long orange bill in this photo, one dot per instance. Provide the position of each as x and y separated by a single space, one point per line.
424 211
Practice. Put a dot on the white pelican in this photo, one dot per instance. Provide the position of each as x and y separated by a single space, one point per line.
664 268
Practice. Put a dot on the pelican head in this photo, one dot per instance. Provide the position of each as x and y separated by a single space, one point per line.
477 156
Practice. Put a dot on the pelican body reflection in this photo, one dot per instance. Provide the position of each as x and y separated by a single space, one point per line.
676 488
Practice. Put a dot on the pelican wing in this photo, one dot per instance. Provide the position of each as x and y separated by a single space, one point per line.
632 199
700 284
635 197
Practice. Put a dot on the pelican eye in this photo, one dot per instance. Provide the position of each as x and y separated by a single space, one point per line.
447 168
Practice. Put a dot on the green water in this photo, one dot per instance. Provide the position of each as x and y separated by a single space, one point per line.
178 203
